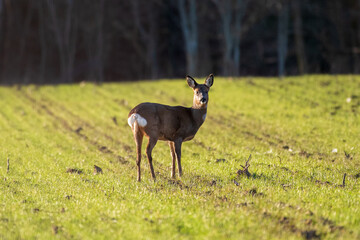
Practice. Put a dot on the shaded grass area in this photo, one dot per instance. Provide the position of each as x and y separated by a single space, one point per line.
302 133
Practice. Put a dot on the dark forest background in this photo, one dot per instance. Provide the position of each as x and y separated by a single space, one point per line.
52 41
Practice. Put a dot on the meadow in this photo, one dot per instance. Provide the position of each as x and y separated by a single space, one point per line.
302 134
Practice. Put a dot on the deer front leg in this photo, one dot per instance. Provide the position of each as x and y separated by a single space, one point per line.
178 154
149 148
173 156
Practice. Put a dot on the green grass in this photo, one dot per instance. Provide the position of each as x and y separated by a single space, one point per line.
290 127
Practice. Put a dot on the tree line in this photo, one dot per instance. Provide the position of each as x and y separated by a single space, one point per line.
51 41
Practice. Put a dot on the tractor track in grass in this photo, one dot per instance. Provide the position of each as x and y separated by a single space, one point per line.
67 126
309 220
118 101
306 228
279 91
244 129
82 123
265 138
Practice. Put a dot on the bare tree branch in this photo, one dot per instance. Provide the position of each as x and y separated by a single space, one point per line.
188 23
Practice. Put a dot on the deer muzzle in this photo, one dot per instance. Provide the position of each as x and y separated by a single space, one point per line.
203 100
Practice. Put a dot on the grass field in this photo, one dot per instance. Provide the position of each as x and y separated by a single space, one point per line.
302 133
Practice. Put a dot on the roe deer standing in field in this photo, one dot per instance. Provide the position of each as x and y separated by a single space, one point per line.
172 124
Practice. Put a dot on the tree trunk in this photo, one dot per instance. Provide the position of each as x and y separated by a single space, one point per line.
240 8
152 47
22 47
299 38
71 25
43 42
188 22
356 44
152 55
7 35
228 39
65 38
100 42
1 39
148 36
231 14
283 20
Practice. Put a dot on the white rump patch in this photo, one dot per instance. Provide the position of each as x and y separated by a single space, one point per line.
136 117
203 117
131 120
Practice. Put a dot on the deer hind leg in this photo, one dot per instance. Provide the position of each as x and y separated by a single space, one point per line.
149 148
138 135
173 156
178 155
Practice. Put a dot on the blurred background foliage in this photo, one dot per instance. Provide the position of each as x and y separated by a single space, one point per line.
53 41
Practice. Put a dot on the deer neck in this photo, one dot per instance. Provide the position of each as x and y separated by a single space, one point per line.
199 114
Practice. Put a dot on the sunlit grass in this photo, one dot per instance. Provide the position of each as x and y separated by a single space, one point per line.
290 127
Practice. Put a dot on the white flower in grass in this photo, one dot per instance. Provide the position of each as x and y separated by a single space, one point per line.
334 150
270 151
348 100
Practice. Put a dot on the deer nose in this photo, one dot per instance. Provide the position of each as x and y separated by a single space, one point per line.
203 100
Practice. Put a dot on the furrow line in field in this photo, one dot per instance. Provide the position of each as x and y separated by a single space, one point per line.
279 91
69 128
83 123
264 137
310 214
4 118
307 229
122 102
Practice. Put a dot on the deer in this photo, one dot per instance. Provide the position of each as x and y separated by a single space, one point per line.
174 124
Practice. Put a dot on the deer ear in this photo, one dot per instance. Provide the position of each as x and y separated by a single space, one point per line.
210 80
191 82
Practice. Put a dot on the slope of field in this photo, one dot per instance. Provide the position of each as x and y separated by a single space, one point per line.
302 134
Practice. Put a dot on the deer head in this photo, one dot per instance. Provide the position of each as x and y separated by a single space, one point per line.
201 96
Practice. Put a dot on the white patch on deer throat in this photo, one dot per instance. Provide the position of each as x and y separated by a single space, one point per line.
136 117
203 117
